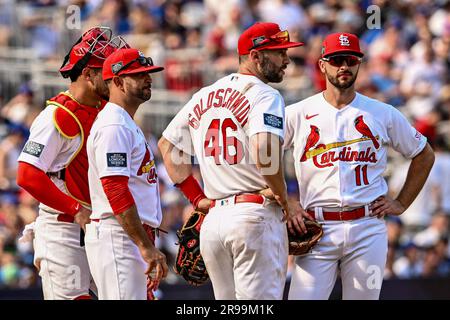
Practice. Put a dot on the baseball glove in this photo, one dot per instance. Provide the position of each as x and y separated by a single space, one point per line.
189 263
301 244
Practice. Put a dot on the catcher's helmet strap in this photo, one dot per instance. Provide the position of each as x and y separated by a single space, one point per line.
67 57
81 64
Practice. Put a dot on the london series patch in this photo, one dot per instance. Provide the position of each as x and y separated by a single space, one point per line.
116 160
273 121
33 148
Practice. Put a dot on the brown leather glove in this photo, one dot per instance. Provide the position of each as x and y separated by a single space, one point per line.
301 244
189 263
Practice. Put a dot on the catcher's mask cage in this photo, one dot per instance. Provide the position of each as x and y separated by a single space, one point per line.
100 45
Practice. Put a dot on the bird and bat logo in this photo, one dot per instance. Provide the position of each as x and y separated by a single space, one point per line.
327 156
148 166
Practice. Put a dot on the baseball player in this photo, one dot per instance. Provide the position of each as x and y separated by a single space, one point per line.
340 140
126 208
53 168
235 128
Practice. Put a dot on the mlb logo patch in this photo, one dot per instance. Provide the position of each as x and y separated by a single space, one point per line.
116 160
33 148
116 67
258 40
273 121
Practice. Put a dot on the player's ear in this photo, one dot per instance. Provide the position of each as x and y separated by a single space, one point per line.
255 56
118 82
321 64
86 73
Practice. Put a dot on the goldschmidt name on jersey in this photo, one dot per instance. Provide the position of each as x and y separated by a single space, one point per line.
230 99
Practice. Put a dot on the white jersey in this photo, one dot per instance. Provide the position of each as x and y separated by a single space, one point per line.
117 147
215 126
48 150
340 155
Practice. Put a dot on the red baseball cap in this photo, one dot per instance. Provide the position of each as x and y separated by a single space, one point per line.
79 51
95 41
264 36
128 61
339 43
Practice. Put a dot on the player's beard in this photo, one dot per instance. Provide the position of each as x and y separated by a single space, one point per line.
100 86
102 89
143 93
271 71
342 84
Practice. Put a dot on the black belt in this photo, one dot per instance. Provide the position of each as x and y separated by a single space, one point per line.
61 174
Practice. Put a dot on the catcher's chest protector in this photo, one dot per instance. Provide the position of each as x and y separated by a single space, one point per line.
72 119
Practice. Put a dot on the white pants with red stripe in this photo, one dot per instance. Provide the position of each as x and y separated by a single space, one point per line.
64 269
115 261
357 249
245 250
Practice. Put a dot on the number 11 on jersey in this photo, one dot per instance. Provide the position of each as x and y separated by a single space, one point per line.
212 142
361 170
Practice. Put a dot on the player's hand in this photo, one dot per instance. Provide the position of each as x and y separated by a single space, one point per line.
152 285
157 265
267 193
204 205
386 205
296 222
83 217
282 201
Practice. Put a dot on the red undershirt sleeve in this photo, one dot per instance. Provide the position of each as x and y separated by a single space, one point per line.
191 190
41 187
118 193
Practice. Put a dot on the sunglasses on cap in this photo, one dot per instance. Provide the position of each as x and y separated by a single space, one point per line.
143 61
280 37
338 60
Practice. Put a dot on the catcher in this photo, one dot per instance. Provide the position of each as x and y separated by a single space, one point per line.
53 168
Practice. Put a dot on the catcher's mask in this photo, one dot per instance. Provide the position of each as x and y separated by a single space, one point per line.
91 49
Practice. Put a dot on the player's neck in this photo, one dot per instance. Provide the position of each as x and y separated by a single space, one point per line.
84 95
248 70
122 101
339 98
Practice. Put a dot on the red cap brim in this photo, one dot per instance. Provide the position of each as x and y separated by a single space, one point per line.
281 46
151 69
342 51
67 67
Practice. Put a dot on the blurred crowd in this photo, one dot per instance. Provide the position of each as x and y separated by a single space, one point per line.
406 64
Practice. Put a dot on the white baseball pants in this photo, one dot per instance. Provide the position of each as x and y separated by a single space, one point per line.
64 269
245 250
116 264
357 249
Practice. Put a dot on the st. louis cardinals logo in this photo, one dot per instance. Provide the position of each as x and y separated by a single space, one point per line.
323 155
313 138
148 166
343 40
364 129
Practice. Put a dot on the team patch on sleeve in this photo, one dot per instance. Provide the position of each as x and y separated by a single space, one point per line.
418 135
116 159
273 121
33 148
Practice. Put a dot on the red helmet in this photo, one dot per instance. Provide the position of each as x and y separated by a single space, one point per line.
91 50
